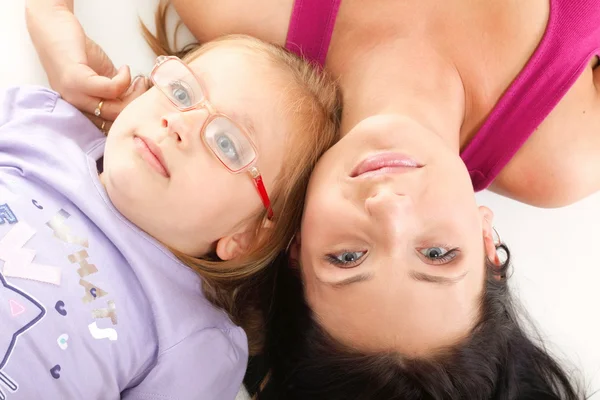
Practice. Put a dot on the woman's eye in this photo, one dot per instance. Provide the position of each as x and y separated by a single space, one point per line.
181 94
226 146
439 255
346 258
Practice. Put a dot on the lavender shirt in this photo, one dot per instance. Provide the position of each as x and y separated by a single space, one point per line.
90 306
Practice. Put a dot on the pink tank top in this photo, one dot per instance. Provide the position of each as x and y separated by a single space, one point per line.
571 39
311 27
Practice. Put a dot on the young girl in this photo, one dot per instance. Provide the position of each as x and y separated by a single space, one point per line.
102 239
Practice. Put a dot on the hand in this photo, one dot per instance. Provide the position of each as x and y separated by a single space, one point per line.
86 84
78 68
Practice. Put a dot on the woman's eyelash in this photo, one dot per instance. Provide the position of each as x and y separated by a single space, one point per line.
334 260
356 258
448 256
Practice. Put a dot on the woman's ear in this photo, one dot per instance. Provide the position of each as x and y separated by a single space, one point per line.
294 250
489 244
491 252
487 220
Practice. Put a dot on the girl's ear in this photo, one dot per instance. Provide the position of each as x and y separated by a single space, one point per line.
233 246
237 244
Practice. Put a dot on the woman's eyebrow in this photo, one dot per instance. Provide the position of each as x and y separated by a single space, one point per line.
353 279
418 276
440 280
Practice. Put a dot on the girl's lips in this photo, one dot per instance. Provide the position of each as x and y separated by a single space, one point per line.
152 154
383 163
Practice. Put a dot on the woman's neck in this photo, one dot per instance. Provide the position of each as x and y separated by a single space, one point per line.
405 77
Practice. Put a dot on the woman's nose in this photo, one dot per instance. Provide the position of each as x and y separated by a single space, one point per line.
393 213
185 126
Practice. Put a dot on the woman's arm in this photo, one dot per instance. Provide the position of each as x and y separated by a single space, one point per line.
76 66
265 19
33 5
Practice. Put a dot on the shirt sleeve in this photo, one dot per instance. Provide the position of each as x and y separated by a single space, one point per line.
209 364
19 101
36 110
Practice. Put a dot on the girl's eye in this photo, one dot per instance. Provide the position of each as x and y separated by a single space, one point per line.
346 259
439 255
226 146
182 94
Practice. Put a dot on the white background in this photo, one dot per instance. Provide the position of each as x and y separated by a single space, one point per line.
556 268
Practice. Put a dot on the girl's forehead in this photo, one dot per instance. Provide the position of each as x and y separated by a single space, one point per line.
231 58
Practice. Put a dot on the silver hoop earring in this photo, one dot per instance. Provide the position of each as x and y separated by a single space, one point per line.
497 239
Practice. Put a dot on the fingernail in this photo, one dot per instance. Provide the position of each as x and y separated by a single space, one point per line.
139 82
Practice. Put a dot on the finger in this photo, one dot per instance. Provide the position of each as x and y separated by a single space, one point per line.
99 122
112 108
103 87
98 60
109 110
139 86
84 88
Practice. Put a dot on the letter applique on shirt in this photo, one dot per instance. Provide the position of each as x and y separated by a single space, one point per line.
18 260
62 231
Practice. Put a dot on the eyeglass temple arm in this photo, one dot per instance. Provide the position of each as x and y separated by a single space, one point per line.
262 191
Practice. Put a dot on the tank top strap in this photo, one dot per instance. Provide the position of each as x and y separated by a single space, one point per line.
311 27
571 39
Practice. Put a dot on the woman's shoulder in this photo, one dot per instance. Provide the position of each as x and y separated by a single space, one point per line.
265 19
559 163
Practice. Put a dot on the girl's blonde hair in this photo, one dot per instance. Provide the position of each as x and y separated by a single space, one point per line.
315 106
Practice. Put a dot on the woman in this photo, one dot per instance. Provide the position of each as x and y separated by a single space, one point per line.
391 205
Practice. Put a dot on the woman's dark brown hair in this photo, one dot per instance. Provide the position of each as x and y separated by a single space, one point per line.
497 361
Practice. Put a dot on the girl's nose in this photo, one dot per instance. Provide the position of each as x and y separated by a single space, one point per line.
185 126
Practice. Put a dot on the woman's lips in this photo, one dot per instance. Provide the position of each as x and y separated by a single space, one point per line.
152 154
384 163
